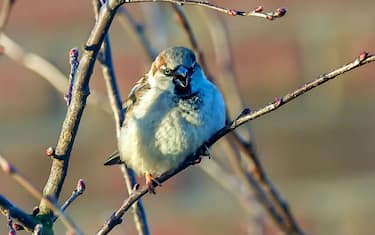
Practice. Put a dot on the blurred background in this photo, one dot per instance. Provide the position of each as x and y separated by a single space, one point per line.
317 150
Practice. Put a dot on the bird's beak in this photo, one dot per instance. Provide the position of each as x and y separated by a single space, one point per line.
180 77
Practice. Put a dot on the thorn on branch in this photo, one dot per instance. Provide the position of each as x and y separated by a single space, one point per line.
73 61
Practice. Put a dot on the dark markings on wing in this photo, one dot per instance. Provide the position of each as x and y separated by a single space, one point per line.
135 94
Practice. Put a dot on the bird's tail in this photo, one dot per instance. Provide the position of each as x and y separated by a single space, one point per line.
113 159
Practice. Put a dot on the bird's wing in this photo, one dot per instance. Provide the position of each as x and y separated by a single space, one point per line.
136 92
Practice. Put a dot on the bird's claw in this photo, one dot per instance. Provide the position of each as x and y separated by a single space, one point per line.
205 151
196 161
151 182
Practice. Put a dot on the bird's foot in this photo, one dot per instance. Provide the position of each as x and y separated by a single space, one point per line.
205 151
196 161
151 182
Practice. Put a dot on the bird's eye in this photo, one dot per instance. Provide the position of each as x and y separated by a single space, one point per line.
167 71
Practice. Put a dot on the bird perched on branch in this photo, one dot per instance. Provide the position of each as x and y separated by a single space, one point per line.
170 112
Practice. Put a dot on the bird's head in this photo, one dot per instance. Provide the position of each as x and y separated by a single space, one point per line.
174 69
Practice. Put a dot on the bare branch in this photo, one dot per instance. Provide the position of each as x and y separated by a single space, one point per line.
111 84
219 36
9 208
227 180
116 105
258 12
289 222
73 61
35 63
183 21
116 217
78 191
75 109
363 59
227 84
128 22
139 213
8 168
44 69
115 100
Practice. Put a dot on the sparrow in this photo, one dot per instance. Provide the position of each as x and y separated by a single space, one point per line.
170 112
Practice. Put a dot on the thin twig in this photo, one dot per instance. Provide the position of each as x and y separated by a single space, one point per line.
9 208
263 179
228 82
139 213
116 217
78 191
73 61
8 168
228 148
364 58
75 109
227 79
111 83
184 22
35 63
44 69
233 12
129 22
292 226
228 181
5 13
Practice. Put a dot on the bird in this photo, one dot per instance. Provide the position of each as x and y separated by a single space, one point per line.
169 113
